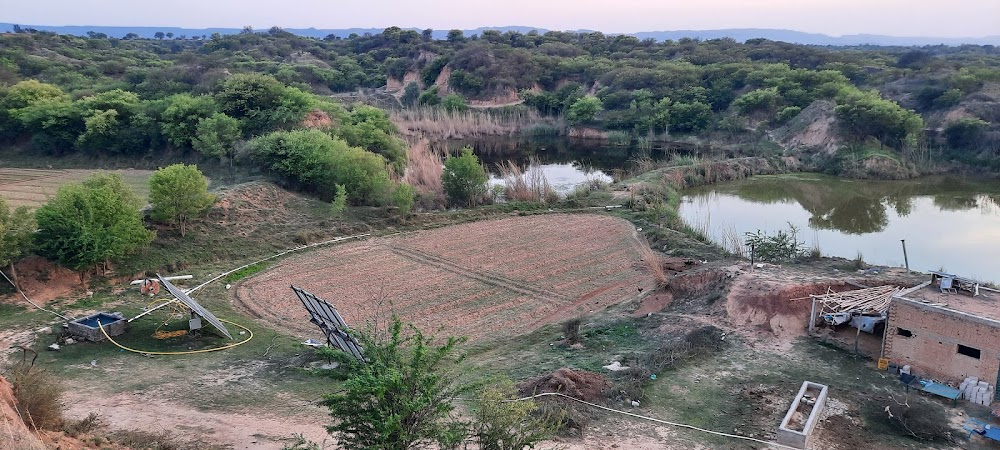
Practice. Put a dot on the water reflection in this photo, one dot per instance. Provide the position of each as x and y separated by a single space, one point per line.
948 222
860 207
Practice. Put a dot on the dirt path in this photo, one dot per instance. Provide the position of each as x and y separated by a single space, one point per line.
253 431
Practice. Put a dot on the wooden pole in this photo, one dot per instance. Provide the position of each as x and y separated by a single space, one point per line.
905 259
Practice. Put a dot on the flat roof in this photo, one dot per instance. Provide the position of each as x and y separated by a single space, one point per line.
985 306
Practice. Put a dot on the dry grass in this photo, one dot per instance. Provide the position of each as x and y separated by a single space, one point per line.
588 133
423 172
733 242
37 393
653 263
439 124
529 185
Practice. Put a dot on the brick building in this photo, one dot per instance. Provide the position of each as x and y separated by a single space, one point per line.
945 336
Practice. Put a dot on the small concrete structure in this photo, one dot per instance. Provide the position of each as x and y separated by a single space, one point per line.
803 415
949 337
87 327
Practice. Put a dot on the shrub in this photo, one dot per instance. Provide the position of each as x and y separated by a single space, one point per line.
319 163
502 423
781 246
571 330
178 194
37 393
402 396
339 203
464 178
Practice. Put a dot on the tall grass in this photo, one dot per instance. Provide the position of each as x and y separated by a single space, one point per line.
423 172
37 393
619 138
528 185
732 242
440 124
653 263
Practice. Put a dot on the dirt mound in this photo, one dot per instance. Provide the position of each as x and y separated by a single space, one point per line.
246 207
15 434
43 281
317 119
586 386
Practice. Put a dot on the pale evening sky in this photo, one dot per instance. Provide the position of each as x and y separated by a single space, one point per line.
952 18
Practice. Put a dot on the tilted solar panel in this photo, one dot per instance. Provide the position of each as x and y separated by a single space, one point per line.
194 306
326 317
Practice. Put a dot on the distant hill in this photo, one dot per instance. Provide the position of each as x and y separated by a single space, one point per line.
739 34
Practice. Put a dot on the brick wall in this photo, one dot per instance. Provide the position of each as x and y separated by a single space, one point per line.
932 350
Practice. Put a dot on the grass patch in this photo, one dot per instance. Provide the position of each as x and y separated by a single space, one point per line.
247 272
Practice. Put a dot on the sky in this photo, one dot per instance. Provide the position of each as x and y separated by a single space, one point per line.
937 18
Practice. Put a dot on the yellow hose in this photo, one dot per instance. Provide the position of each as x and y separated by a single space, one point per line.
189 352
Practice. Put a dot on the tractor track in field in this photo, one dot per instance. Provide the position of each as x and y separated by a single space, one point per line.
491 279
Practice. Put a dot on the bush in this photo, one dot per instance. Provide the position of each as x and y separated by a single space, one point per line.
339 203
319 163
965 133
464 178
781 246
571 330
178 194
402 396
37 393
502 423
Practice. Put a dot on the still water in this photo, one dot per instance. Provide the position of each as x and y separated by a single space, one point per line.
565 162
948 222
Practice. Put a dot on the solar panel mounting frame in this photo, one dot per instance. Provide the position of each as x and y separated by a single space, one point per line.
329 320
194 306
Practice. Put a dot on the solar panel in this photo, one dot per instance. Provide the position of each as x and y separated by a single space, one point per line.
326 317
194 306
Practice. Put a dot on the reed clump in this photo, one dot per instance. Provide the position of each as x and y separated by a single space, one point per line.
424 170
526 185
440 124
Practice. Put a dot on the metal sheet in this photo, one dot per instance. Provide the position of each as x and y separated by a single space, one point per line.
194 306
326 317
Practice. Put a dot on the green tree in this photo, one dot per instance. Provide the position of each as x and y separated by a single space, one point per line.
429 97
15 99
761 102
690 117
261 102
965 133
181 119
464 178
403 197
583 110
178 194
16 232
370 128
867 114
401 397
411 93
339 203
454 103
217 136
320 162
92 222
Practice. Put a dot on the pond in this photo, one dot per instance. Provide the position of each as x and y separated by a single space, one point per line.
950 223
565 162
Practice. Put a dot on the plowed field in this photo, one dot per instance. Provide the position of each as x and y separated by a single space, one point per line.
479 279
34 187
